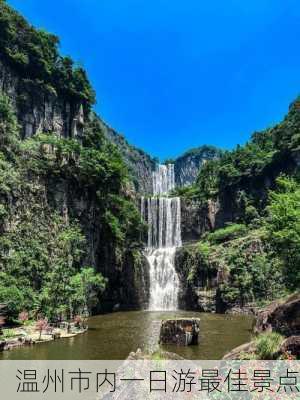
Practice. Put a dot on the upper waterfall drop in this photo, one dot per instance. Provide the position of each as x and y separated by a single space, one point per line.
163 179
163 216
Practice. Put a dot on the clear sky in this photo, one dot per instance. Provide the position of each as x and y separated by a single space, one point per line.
176 74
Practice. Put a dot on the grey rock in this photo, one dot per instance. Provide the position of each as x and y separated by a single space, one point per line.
197 292
280 317
197 218
291 345
182 332
39 111
139 163
238 352
188 165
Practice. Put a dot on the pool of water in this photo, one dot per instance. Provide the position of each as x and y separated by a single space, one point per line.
114 336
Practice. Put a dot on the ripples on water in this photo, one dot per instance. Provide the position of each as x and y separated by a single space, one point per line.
114 336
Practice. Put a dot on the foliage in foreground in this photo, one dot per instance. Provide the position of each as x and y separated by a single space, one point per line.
268 345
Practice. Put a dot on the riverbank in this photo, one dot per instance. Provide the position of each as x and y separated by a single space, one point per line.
28 335
276 333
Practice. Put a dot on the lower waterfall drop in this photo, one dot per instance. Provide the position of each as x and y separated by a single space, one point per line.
163 216
164 283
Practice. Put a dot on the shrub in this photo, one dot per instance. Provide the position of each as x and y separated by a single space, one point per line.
8 333
228 233
86 287
41 325
23 317
13 298
78 321
268 345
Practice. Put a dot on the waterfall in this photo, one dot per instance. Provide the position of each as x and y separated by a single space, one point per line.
163 216
163 179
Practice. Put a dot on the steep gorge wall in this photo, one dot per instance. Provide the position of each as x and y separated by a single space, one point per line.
139 163
187 166
198 285
197 218
229 205
41 112
127 272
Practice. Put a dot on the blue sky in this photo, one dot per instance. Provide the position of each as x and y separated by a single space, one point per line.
173 74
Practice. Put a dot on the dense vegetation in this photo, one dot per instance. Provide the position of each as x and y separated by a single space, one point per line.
267 153
66 208
33 53
257 251
139 163
42 249
43 246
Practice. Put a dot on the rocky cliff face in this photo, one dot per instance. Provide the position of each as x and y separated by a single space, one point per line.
38 111
197 218
280 317
187 166
229 205
41 112
139 163
206 269
198 285
128 272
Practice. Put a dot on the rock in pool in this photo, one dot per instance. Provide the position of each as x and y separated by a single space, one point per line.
182 331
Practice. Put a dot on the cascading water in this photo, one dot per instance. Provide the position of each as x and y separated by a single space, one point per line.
163 179
163 216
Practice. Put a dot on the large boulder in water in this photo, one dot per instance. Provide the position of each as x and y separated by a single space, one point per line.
182 332
161 355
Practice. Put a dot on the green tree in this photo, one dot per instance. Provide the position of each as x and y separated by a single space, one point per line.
56 286
283 226
34 54
11 295
86 288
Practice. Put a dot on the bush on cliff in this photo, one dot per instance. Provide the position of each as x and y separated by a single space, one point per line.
230 232
34 54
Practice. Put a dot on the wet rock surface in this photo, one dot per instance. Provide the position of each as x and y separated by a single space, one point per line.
182 332
236 353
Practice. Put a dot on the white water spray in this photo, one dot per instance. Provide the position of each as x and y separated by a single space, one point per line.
163 179
163 216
